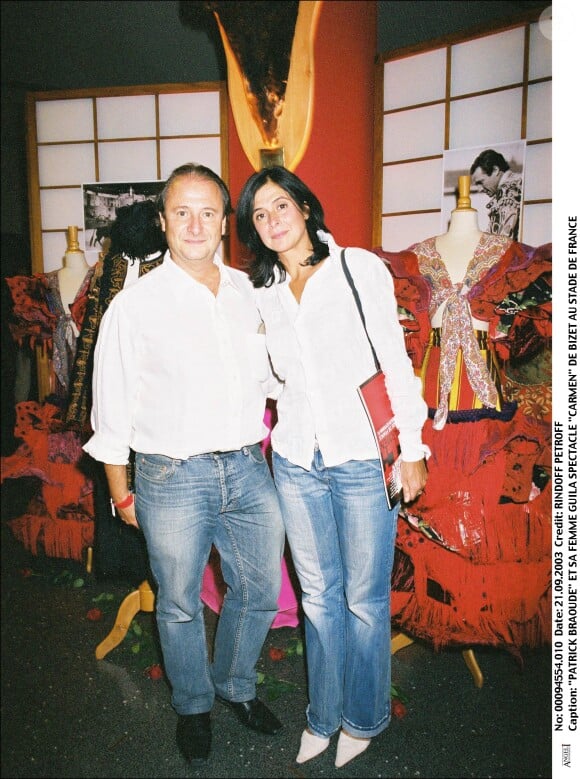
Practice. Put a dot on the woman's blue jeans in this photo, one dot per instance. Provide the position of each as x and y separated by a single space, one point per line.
342 535
183 507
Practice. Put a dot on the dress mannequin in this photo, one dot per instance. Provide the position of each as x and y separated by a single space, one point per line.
48 309
457 245
73 272
44 317
473 552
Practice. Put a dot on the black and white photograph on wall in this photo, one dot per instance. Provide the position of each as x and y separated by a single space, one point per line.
101 201
497 183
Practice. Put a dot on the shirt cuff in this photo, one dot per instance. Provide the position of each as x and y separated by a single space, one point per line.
105 450
412 449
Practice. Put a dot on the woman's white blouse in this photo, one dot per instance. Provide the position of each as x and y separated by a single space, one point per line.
320 353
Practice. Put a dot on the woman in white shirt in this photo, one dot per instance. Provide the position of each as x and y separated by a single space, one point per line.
329 478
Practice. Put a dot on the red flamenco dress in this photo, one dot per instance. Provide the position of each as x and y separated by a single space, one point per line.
473 552
59 517
39 318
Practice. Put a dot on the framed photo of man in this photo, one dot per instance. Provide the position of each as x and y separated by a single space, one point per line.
497 185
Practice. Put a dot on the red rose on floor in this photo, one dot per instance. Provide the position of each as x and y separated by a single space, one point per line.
398 708
94 615
26 572
154 671
276 654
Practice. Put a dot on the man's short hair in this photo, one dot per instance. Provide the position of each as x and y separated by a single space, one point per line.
201 172
488 160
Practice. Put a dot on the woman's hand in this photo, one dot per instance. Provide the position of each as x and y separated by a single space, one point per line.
413 478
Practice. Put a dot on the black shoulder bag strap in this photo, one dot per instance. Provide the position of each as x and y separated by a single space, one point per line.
358 305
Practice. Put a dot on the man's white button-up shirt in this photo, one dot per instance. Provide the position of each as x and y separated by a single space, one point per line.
179 371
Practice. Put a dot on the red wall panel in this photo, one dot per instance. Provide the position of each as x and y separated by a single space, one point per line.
338 161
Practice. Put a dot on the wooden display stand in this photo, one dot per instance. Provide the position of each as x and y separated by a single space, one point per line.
141 599
401 640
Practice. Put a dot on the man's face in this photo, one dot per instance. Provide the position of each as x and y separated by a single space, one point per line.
194 221
487 182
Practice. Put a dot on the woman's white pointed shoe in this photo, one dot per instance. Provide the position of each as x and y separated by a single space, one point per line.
310 746
348 748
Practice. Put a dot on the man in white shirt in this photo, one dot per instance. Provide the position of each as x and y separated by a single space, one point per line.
181 375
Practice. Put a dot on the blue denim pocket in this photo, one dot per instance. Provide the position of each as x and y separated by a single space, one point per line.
255 453
155 467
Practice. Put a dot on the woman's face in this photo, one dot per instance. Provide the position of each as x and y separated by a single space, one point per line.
279 221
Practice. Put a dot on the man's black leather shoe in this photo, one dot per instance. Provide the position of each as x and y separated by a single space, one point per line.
255 715
193 737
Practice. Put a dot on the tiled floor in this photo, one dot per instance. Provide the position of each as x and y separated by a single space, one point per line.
67 714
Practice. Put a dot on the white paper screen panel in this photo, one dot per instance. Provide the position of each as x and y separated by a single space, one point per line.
537 223
139 134
468 94
540 53
487 63
414 80
128 161
57 204
412 186
539 121
64 120
179 150
400 232
538 180
414 133
126 117
189 114
53 249
486 119
66 165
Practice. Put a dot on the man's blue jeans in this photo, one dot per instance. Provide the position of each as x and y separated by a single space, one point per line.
183 507
342 535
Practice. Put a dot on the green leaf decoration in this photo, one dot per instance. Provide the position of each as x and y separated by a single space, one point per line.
62 577
104 597
273 687
295 647
397 693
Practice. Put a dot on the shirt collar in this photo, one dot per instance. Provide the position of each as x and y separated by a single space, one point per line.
327 238
226 276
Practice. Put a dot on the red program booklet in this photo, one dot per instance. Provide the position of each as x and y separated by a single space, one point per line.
378 407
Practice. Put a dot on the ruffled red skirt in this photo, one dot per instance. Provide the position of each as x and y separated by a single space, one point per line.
473 553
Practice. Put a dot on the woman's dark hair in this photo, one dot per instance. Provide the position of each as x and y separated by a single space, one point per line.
261 268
